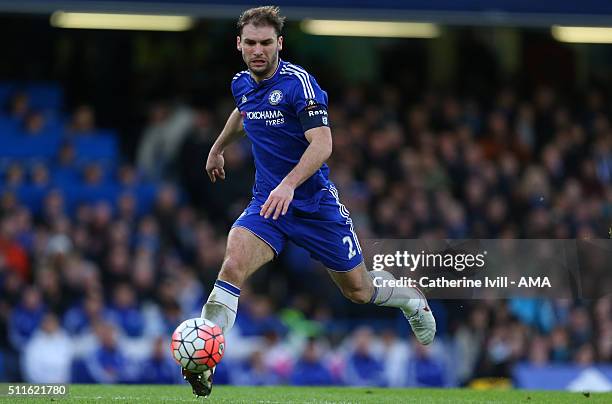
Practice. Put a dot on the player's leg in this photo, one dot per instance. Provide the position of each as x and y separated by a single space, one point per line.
355 284
244 254
361 286
252 242
329 236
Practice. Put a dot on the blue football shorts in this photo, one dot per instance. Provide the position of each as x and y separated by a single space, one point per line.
327 234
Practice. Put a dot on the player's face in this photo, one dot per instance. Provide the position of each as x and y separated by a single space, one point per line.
259 47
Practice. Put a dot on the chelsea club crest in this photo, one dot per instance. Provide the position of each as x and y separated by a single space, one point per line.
275 97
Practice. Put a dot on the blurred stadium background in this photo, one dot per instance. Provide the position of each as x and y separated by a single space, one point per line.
486 122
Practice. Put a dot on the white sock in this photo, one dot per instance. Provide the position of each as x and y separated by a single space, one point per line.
222 304
405 298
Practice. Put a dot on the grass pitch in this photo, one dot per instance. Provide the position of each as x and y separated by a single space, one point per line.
281 394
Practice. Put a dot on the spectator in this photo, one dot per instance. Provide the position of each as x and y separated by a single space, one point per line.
166 206
585 355
19 106
47 357
196 145
35 123
14 176
64 170
81 317
395 357
162 139
429 371
83 120
107 363
278 358
160 368
125 312
148 236
362 367
143 275
254 372
560 350
539 351
26 318
13 255
310 369
580 327
259 318
469 339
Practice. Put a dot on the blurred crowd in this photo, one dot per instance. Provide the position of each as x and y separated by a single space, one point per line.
91 288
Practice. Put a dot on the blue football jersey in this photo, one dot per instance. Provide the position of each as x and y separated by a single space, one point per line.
276 113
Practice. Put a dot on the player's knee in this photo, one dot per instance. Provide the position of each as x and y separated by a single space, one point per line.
232 271
357 295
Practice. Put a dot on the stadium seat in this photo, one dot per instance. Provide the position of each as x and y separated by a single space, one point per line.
8 126
32 196
7 88
145 197
45 95
92 194
98 145
29 147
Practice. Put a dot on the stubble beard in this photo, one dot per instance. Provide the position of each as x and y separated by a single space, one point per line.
268 69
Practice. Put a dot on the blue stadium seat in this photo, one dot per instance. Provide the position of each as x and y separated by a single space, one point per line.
98 145
8 126
7 88
48 132
45 95
32 196
145 196
92 194
64 176
29 147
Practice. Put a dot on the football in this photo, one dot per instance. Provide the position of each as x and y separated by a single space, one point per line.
197 344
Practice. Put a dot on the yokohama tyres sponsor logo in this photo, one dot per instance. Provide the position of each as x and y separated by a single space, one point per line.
270 114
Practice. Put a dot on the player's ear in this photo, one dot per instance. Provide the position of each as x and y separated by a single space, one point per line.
280 43
238 44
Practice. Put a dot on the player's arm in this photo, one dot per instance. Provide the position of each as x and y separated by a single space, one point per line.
317 152
232 131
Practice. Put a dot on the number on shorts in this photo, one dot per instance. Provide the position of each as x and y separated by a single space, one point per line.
348 240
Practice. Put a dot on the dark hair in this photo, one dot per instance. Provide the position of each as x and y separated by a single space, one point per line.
262 16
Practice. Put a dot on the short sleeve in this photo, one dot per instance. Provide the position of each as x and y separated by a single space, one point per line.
234 92
237 89
308 99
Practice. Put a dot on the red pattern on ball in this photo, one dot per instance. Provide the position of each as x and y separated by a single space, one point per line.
209 346
204 333
214 345
216 330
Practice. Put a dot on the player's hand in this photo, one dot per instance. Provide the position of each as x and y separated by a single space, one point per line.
214 166
278 201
